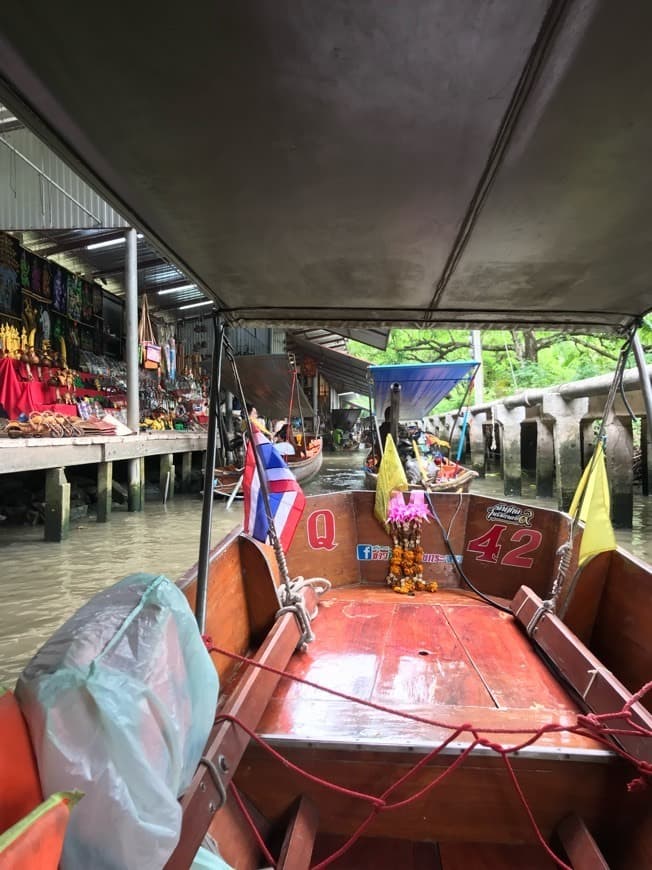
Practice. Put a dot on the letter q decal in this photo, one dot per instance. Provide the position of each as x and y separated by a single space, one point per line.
320 528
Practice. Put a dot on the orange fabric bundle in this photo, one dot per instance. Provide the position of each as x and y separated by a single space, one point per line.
36 842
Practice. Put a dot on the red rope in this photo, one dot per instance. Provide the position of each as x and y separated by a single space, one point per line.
591 725
245 812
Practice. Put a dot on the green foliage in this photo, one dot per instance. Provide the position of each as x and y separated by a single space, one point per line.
512 361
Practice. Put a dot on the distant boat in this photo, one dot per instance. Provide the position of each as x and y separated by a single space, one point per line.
458 479
345 418
304 467
421 387
227 479
275 396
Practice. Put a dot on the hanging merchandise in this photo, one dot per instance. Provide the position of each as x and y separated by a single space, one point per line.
172 369
150 351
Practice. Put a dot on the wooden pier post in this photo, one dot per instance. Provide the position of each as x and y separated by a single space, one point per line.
57 505
104 491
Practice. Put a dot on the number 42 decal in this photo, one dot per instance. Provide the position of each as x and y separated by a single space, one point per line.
489 546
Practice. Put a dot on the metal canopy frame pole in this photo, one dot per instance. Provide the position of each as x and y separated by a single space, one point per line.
131 317
373 422
646 390
134 482
209 472
395 405
459 410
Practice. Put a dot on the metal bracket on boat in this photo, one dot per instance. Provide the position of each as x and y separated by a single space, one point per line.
217 779
292 600
300 611
544 607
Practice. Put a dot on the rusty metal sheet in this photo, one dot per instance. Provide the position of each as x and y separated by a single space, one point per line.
267 384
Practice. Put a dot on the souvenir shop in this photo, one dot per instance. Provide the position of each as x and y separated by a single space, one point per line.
62 352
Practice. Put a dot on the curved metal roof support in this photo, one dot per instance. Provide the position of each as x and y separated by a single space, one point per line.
540 50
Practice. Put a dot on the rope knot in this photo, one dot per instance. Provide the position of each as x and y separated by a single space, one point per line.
589 720
637 784
208 642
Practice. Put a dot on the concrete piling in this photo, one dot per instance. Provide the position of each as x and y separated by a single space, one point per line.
566 414
166 476
104 491
186 471
510 420
545 473
478 443
619 453
57 505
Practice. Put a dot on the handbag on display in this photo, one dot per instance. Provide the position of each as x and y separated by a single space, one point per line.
150 351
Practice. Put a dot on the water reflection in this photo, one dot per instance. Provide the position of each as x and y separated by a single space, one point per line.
43 583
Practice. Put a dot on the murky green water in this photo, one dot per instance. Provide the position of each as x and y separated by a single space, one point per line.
41 584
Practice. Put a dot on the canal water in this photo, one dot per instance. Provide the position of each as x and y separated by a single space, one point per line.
42 584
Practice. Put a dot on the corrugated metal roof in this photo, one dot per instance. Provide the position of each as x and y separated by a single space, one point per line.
57 215
38 190
106 265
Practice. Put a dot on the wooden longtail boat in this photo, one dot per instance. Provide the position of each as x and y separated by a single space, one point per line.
403 676
305 467
275 395
228 479
458 480
455 164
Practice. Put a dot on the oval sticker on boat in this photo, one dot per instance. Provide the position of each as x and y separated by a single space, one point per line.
320 528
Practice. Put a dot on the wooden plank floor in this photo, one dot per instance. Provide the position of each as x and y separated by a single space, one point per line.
447 656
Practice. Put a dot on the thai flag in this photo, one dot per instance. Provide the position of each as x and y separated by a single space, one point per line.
286 497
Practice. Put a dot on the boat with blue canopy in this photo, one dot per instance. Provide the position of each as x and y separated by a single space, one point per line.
410 392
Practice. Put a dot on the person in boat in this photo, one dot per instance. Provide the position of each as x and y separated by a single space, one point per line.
385 427
256 421
282 443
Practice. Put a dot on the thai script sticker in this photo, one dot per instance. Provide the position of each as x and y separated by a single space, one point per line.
510 513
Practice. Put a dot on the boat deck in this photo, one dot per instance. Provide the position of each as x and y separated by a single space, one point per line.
446 656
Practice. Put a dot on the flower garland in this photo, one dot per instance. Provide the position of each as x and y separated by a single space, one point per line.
404 522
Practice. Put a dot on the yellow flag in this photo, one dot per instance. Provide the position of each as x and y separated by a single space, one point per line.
593 502
391 476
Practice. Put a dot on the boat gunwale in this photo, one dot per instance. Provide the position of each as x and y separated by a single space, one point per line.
454 748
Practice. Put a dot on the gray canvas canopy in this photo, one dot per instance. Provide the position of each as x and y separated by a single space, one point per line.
457 162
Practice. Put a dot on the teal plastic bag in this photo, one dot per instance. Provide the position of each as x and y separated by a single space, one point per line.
205 860
119 703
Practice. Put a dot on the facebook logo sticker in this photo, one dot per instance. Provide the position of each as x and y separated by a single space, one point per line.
372 553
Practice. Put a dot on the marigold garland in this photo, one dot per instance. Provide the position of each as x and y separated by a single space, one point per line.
404 522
